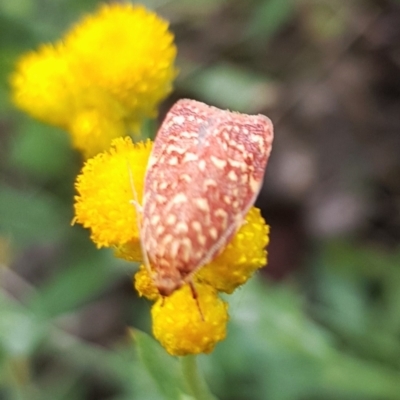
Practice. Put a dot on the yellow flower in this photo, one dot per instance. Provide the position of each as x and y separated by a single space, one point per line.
103 203
184 326
127 51
144 284
241 257
93 130
130 251
43 85
100 81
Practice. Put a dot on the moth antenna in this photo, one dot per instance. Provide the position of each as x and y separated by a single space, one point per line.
138 208
196 298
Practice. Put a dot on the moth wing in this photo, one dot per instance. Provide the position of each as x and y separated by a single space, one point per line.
204 174
235 151
180 127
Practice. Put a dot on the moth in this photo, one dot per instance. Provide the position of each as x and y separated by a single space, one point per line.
204 173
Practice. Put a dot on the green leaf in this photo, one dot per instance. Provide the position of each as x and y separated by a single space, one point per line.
268 17
75 285
20 330
42 152
287 355
196 384
164 369
28 217
359 379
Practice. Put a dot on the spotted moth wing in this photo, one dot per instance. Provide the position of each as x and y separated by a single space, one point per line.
204 173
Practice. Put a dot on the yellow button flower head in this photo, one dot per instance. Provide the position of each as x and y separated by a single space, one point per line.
184 326
104 77
128 51
241 257
43 85
179 323
145 285
96 124
104 193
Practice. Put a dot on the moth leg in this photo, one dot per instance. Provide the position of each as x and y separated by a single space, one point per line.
195 296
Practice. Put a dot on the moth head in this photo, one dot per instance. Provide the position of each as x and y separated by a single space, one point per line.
167 283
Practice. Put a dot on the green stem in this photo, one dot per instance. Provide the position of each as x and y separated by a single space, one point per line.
197 385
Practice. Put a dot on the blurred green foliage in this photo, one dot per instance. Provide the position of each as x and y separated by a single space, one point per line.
336 339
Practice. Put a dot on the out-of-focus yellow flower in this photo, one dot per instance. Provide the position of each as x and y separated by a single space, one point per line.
184 326
43 85
103 203
243 255
107 74
93 130
128 51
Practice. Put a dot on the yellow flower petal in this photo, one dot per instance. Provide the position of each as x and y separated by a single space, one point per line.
130 251
178 324
145 285
241 257
102 80
92 131
127 51
103 203
43 86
